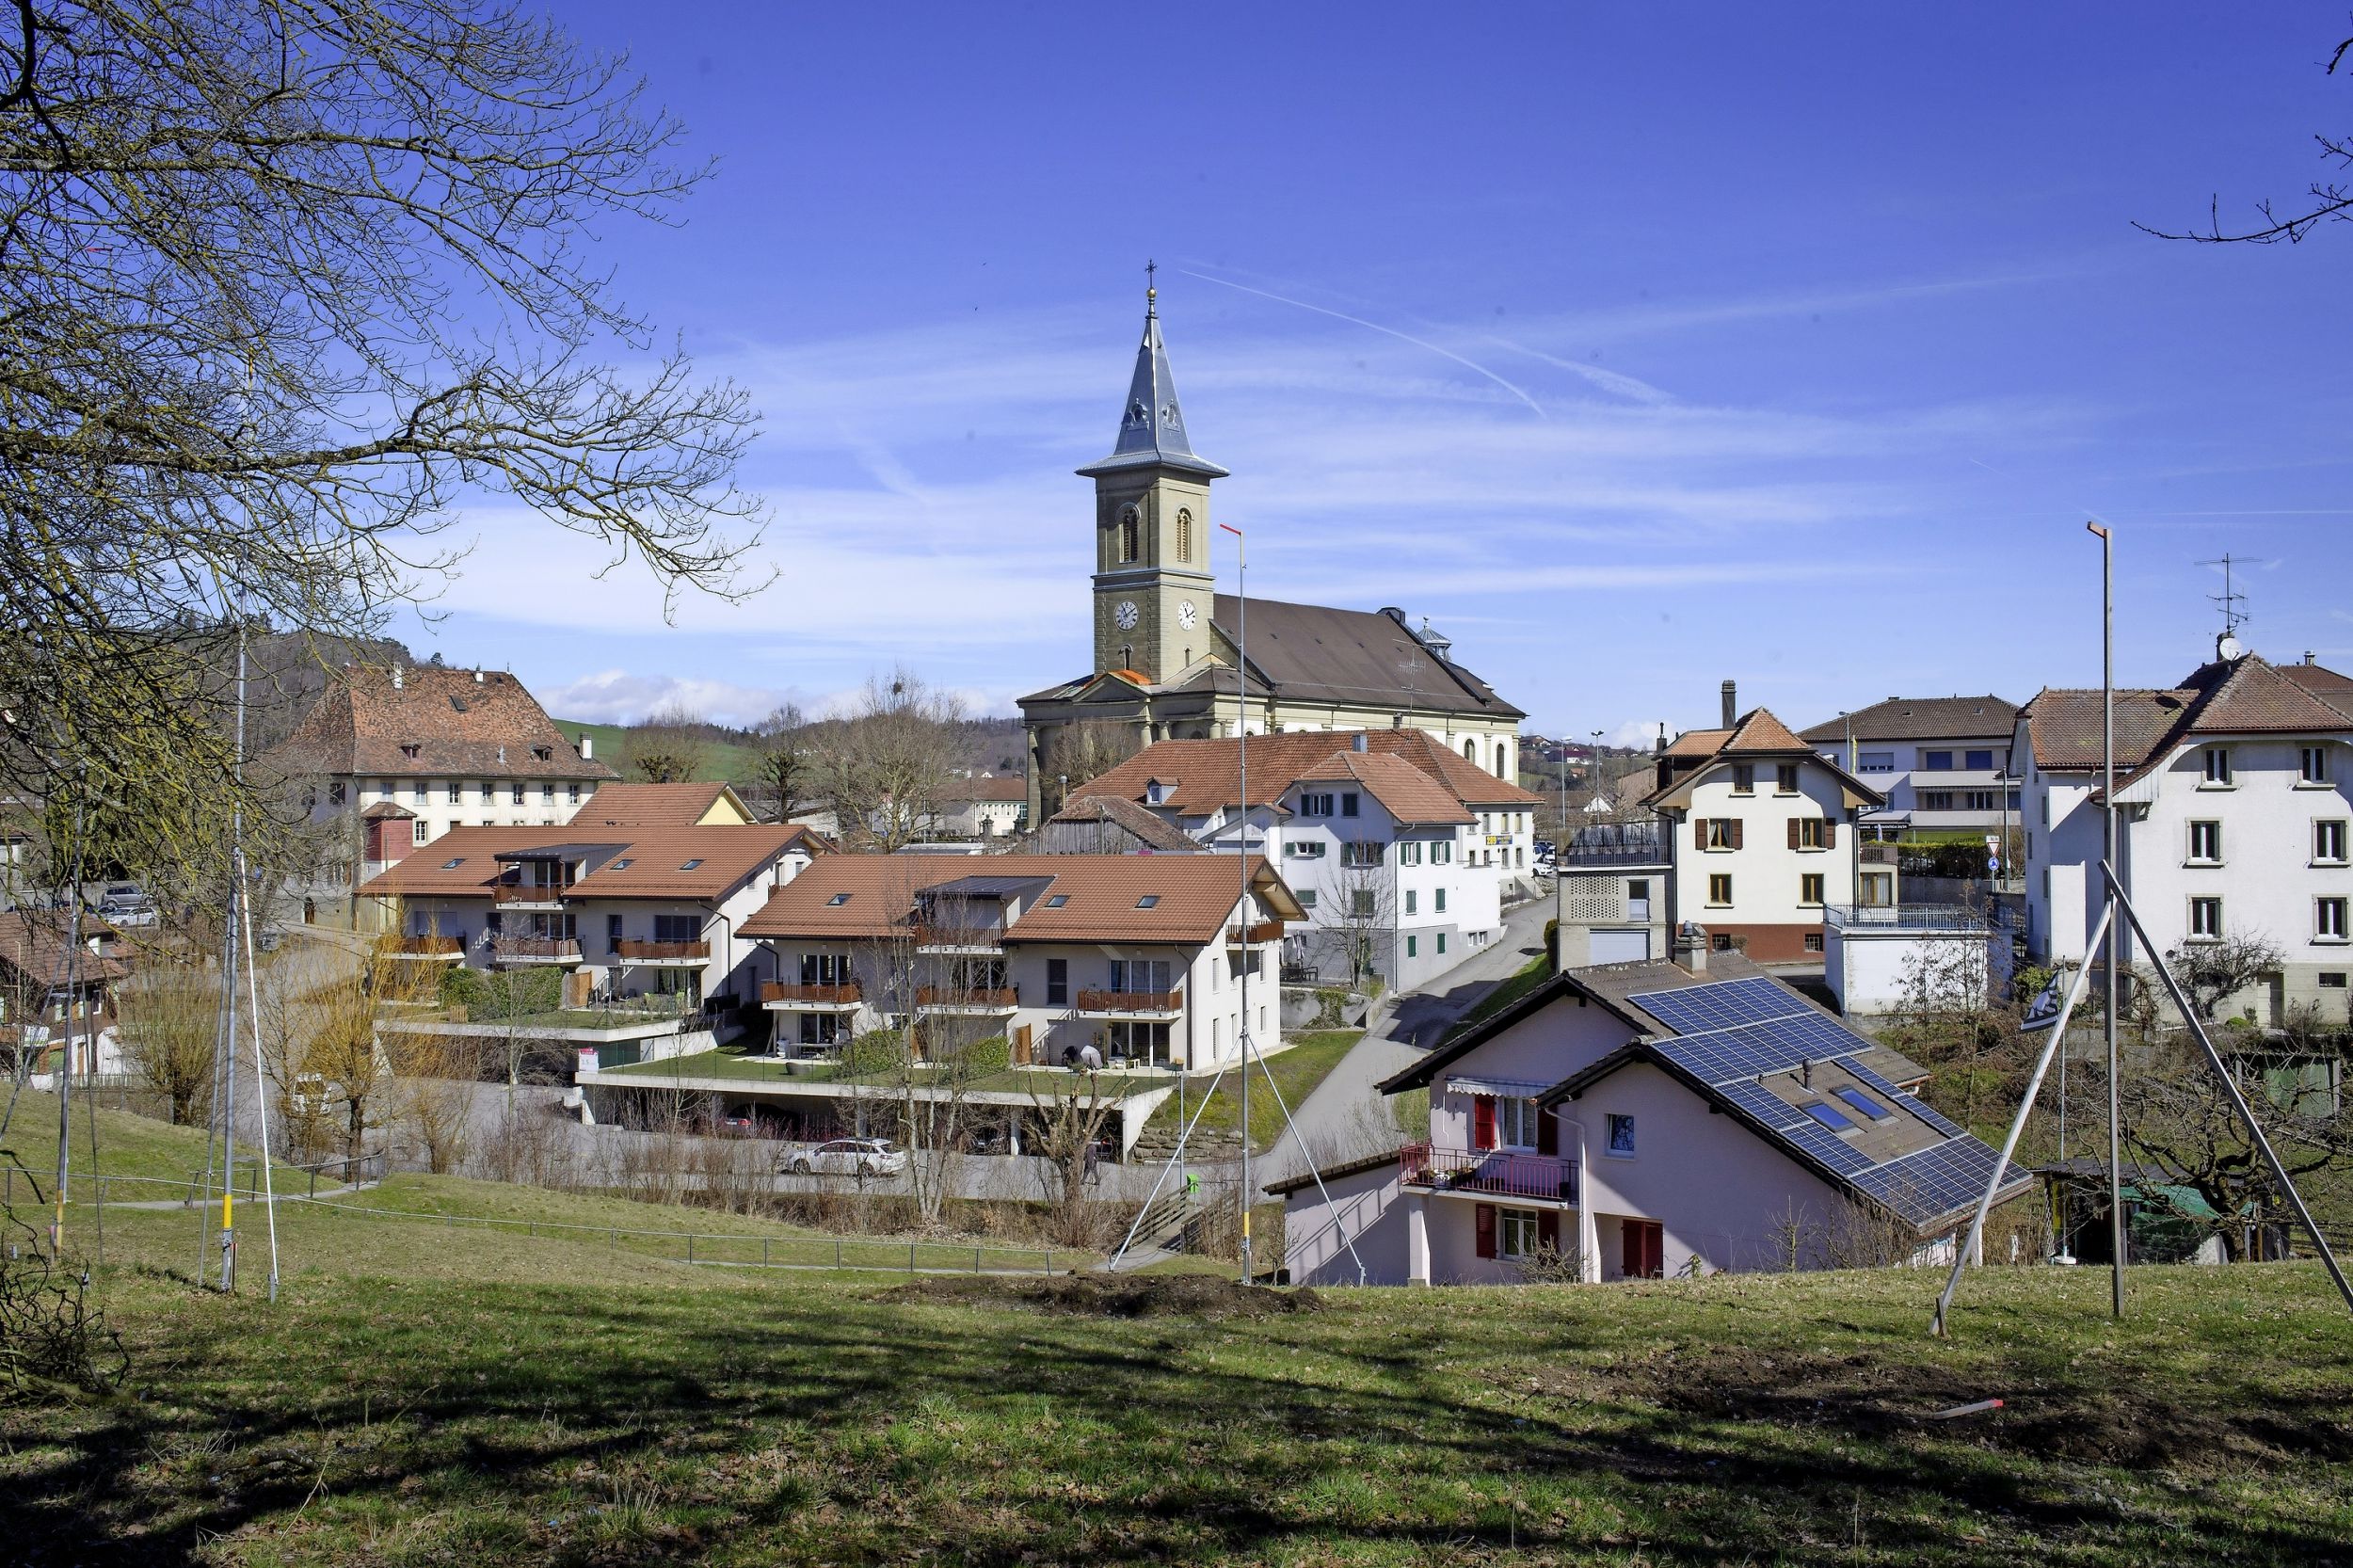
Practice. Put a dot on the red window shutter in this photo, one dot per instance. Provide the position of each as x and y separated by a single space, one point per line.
1699 832
1549 1229
1793 833
1735 833
1486 1229
1482 1122
1829 833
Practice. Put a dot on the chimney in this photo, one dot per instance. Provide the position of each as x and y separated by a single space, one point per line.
2308 657
1361 742
397 677
1690 947
1732 702
1660 749
587 747
477 678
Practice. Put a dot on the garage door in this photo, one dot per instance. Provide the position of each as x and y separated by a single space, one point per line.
1619 947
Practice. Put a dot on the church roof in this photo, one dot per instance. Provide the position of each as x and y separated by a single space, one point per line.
1151 421
1359 658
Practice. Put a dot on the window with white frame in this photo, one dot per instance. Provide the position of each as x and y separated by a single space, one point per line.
2329 841
1315 805
571 793
2218 768
1409 852
515 792
1516 1233
1876 762
1516 1123
1618 1141
2205 919
1442 852
2205 842
1363 853
1303 849
2312 765
2328 920
421 833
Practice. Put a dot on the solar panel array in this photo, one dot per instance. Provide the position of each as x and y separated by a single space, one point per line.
1731 1034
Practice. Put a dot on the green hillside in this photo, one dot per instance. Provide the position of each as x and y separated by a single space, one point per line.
722 760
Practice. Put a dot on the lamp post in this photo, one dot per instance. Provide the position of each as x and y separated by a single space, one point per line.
1560 852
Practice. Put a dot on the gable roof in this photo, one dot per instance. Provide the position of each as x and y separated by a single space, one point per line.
1205 774
1919 718
622 863
1317 653
1758 733
2247 695
685 805
1003 787
37 944
2320 681
1193 896
470 724
1148 829
1402 790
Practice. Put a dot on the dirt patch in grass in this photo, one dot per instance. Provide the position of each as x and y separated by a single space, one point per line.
1125 1296
2098 1420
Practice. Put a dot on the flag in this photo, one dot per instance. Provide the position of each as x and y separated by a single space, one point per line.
2045 1010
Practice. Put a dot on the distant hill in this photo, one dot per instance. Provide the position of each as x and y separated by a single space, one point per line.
989 745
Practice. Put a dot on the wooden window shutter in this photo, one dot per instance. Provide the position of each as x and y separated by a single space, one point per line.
1486 1222
1829 833
1549 1229
1699 832
1793 833
1482 1122
1735 832
1547 1132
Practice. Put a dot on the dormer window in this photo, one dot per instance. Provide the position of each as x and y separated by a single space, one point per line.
543 753
409 752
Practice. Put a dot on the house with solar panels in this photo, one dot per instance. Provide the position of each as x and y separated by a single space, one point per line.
1648 1120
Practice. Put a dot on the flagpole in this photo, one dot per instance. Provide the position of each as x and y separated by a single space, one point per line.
2113 952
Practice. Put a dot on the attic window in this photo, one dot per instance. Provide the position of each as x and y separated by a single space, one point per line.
1055 901
409 752
453 865
689 865
1828 1117
459 703
543 753
1149 900
1864 1103
620 865
836 901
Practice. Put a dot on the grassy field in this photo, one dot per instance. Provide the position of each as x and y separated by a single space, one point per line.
406 1409
1298 1069
731 1063
721 760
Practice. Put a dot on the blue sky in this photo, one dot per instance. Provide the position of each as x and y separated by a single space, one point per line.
1635 346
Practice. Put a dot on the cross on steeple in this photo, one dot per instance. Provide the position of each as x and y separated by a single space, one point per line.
1151 291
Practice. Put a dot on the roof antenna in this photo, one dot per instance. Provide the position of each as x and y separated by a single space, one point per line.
2229 600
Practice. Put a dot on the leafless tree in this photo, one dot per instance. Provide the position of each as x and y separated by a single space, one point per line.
888 763
1076 754
2214 972
285 286
1359 896
2323 201
668 746
170 1028
1068 1115
786 763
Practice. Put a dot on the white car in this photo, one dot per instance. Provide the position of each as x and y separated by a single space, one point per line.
858 1156
126 904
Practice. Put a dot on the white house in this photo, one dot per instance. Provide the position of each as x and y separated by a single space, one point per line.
1648 1120
1942 761
2235 810
1402 853
1140 956
1762 831
983 805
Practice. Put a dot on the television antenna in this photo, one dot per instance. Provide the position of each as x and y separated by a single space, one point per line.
2230 601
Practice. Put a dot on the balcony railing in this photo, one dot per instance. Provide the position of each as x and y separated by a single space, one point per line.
1876 854
550 893
536 949
1252 935
968 999
1133 1003
1952 918
428 947
635 952
791 994
954 939
1517 1176
1605 857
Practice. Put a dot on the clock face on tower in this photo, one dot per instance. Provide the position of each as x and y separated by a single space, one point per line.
1185 615
1125 614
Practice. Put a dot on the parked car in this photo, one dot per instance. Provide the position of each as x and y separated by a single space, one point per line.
736 1126
859 1157
126 904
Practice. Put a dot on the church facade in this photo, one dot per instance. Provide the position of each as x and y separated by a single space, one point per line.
1168 646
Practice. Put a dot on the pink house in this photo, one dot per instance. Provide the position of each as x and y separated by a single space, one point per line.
1649 1119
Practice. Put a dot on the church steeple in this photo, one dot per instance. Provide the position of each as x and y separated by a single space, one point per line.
1152 423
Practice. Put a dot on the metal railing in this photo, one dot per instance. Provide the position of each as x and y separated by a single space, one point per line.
528 893
1876 854
633 949
1170 1001
847 994
1496 1171
1907 916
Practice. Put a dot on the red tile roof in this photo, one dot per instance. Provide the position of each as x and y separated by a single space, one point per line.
1194 896
2247 696
435 722
625 863
1405 792
986 787
1204 772
649 804
37 945
1758 733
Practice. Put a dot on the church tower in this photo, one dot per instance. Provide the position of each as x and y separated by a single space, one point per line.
1153 589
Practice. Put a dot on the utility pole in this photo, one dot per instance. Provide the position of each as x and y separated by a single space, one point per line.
1241 769
1559 855
2113 951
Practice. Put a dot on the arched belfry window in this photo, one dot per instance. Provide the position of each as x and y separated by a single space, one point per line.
1131 528
1501 771
1184 535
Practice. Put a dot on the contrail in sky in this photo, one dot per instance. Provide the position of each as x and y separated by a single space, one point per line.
1374 325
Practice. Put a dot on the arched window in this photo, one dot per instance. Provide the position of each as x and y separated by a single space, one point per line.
1130 526
1127 656
1499 764
1470 752
1184 535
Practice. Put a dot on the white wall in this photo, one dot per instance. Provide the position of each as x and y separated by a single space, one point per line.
1367 1209
1764 871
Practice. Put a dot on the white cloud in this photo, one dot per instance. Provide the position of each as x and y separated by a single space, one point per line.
616 697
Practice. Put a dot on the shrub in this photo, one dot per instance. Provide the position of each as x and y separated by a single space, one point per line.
508 993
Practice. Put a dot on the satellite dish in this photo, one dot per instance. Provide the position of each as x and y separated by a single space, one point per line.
2226 647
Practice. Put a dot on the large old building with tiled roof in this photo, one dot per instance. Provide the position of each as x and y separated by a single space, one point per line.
1942 761
1168 649
396 757
2234 814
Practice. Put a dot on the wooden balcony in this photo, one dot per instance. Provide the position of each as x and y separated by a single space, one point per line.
1501 1171
529 895
792 997
1133 1005
1254 936
630 950
967 999
437 948
534 949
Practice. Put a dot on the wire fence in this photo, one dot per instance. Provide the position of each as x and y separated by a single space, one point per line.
716 1249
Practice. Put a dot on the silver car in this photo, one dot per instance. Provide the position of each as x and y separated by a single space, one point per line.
858 1156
